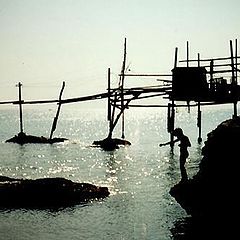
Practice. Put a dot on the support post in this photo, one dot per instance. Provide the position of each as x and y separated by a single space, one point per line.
187 54
176 56
54 125
20 106
236 61
111 125
198 56
122 87
212 88
110 115
109 95
233 83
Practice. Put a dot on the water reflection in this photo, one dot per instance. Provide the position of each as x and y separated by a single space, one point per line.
173 166
115 163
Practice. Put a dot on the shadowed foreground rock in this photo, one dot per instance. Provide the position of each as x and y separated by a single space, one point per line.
213 191
46 192
23 138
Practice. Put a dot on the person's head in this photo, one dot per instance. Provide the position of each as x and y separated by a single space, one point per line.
177 132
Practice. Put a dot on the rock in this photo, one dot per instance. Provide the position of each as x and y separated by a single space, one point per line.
46 192
23 138
212 192
110 144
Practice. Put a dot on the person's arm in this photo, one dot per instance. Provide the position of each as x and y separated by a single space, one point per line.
168 143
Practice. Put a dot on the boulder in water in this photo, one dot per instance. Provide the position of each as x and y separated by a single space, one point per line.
23 138
46 192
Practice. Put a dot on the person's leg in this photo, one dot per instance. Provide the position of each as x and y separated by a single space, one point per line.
183 169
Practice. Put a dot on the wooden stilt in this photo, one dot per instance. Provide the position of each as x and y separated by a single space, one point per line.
198 56
236 61
233 83
20 106
199 116
111 125
109 95
236 74
122 87
176 57
188 102
54 125
110 115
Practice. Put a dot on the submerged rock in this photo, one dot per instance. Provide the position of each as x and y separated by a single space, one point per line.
23 138
110 144
46 192
213 190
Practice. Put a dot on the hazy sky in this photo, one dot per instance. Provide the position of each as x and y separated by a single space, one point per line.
45 42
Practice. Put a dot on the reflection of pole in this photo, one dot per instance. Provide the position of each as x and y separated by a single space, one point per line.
20 106
199 123
54 125
170 122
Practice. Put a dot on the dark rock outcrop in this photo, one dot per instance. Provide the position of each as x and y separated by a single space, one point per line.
23 138
46 192
212 192
110 144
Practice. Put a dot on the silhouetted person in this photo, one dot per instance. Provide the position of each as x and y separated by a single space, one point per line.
184 144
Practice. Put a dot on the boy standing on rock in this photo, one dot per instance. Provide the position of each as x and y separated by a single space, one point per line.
184 144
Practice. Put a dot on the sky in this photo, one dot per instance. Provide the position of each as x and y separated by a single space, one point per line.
46 42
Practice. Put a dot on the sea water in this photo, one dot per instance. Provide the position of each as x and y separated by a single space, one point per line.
139 177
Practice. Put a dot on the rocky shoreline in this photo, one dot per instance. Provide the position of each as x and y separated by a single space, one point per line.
212 192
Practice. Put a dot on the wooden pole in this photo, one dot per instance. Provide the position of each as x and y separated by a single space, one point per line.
199 117
236 60
54 125
212 89
109 115
122 87
111 125
188 102
20 106
176 57
233 82
232 62
109 95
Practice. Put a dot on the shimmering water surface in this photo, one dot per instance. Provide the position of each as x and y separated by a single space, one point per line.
139 177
